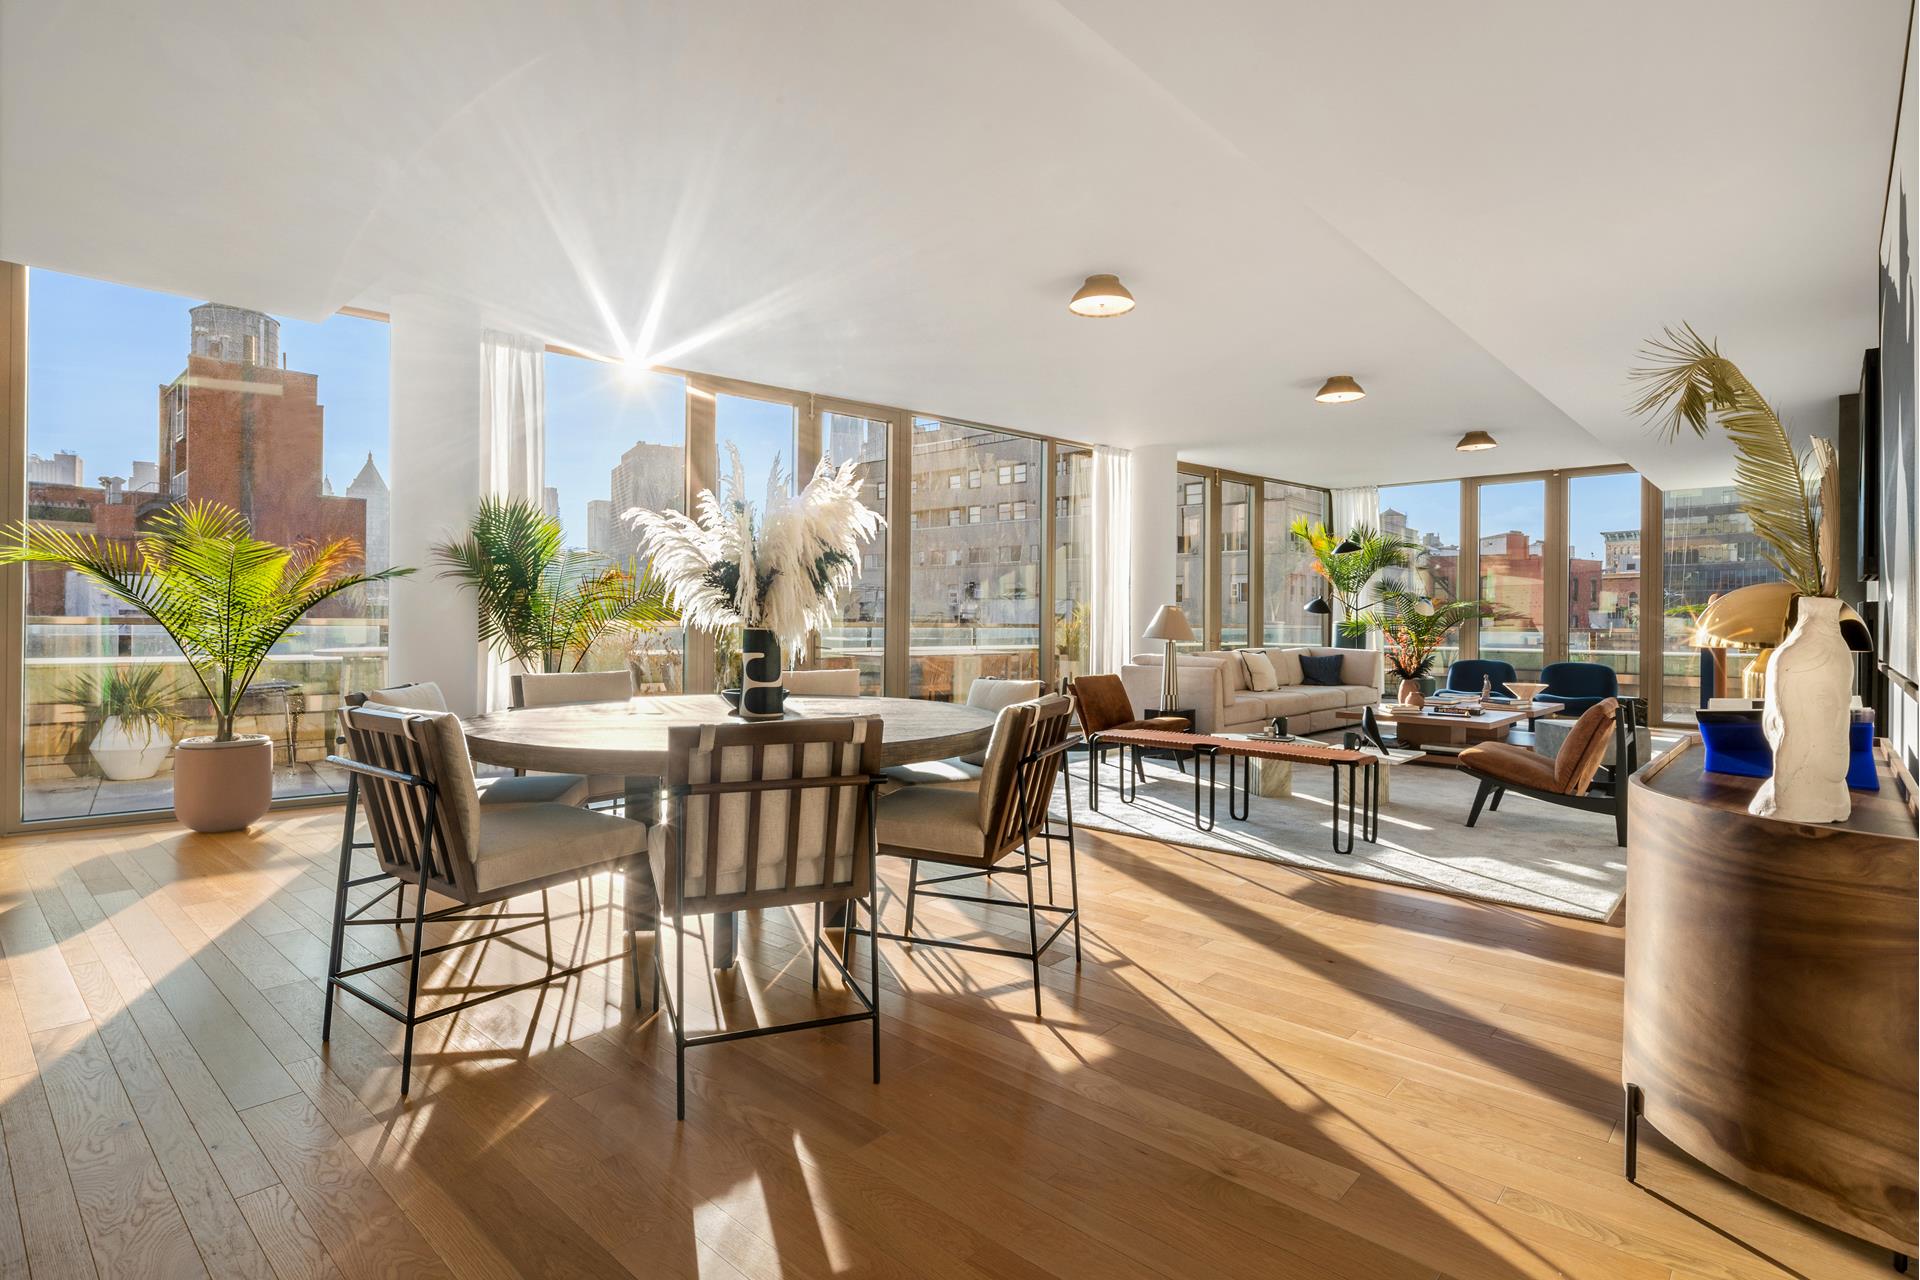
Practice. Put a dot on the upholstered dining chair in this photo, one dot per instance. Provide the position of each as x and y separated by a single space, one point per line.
1102 704
824 682
532 788
1468 674
1568 778
991 830
410 770
764 815
987 693
572 689
1579 685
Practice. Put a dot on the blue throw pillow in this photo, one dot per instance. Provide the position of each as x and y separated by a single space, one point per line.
1323 669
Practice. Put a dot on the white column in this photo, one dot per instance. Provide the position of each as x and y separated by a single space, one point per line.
1152 530
433 442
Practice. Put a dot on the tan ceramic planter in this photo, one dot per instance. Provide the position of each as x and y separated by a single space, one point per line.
222 786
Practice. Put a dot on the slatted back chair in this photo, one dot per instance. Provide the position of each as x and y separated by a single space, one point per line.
981 829
568 688
409 769
766 815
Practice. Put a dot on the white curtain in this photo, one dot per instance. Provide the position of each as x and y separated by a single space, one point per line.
1352 507
513 450
1110 586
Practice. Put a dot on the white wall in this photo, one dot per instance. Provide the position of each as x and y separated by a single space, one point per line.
433 442
1152 529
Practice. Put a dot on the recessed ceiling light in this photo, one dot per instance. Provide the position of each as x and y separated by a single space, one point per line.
1101 296
1475 441
1339 389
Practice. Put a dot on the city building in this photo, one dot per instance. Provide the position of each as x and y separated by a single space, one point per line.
370 488
599 525
63 468
649 477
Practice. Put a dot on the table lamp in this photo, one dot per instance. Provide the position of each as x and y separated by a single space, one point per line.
1758 617
1172 626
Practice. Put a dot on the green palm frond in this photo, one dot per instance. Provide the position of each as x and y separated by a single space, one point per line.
538 602
1690 384
1347 575
224 597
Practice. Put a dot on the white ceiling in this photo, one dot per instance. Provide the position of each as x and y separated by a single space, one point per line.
1479 209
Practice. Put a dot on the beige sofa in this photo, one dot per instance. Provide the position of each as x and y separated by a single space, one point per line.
1214 684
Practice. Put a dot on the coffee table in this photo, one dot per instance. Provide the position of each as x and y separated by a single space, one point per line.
1445 735
1272 776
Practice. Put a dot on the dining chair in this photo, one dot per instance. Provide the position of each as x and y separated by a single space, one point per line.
764 815
981 829
429 829
1102 704
988 693
572 689
824 682
532 788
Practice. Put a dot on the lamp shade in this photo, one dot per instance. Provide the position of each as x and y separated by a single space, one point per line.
1347 547
1319 605
1101 295
1339 389
1170 624
1759 616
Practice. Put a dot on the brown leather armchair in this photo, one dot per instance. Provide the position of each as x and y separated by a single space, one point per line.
1102 704
1568 778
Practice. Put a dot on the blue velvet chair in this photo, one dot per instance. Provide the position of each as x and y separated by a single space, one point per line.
1466 675
1579 685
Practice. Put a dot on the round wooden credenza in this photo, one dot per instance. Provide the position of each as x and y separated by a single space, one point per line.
1771 975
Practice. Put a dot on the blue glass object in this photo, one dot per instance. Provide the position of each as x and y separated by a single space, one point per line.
1736 745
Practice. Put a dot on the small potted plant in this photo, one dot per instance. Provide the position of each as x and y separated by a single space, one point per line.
225 598
540 603
132 709
1070 641
775 574
1413 630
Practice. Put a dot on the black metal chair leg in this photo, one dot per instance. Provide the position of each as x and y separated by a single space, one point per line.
338 940
1499 794
1487 788
816 946
546 924
873 970
413 983
913 886
1033 925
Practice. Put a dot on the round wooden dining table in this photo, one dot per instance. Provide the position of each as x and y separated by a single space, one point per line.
629 739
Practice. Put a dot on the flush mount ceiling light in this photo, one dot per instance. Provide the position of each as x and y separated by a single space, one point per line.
1475 441
1101 296
1338 390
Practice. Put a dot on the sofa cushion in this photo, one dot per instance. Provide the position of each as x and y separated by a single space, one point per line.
1259 670
1286 665
1297 701
1360 666
1359 695
1243 708
1319 698
1322 669
523 843
1230 667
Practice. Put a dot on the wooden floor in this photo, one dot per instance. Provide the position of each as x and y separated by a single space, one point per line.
1255 1073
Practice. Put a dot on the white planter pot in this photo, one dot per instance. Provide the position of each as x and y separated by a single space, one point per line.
128 753
1809 693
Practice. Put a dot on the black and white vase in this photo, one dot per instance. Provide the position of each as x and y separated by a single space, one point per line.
763 690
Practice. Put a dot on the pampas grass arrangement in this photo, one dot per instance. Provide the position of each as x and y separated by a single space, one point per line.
782 567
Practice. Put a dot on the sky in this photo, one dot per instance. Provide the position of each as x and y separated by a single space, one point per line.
98 353
1595 504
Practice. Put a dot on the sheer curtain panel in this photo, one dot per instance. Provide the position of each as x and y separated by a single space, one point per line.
1110 584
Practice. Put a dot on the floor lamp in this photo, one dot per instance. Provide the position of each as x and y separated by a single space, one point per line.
1172 626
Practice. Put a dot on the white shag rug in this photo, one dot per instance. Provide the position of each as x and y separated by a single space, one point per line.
1529 854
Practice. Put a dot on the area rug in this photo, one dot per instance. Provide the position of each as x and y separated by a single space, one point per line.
1528 854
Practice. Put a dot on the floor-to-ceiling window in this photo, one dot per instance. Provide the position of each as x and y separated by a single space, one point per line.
617 442
859 640
1512 555
1288 582
1428 515
1073 554
138 402
763 433
976 536
1236 562
1603 573
1708 548
1190 552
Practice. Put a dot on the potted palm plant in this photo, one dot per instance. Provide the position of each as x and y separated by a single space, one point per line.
1810 680
131 710
775 573
1347 565
540 603
1413 629
225 598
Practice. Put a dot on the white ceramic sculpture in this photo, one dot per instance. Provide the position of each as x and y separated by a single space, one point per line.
1809 696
